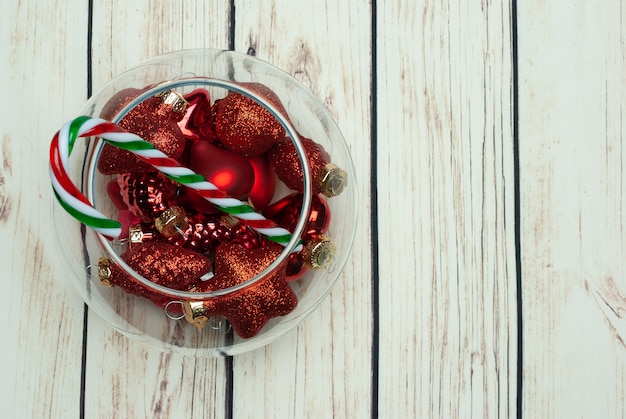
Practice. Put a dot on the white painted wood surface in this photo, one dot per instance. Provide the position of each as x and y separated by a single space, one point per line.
424 321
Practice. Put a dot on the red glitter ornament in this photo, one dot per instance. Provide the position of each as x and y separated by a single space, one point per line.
118 101
228 171
264 185
326 177
147 195
268 94
198 122
160 263
249 309
167 265
246 127
152 120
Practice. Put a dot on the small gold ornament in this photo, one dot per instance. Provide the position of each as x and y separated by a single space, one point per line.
175 100
104 272
319 253
195 313
172 221
332 180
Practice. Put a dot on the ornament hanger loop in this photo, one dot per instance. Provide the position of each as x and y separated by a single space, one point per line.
171 315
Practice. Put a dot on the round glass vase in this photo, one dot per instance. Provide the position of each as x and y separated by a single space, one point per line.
83 250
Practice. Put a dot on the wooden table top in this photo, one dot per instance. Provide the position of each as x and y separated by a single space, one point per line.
487 277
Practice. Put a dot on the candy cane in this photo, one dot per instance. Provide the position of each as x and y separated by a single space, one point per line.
77 205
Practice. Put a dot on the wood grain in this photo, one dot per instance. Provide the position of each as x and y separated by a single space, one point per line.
429 327
445 210
310 372
572 99
40 368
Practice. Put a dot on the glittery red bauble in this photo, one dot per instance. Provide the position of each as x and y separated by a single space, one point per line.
246 127
147 195
286 213
283 158
120 278
264 183
228 171
267 94
156 123
167 265
249 310
118 101
198 122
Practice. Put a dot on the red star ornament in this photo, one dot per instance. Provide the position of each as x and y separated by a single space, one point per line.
250 309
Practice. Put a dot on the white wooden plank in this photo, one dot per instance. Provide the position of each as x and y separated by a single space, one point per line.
124 378
446 210
323 369
42 320
571 96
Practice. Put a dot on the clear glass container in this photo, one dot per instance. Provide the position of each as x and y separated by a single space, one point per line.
219 72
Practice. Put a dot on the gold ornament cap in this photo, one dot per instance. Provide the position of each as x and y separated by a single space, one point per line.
104 272
137 236
175 100
332 180
319 253
173 221
196 313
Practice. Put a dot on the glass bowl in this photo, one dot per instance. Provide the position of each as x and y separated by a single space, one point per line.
205 320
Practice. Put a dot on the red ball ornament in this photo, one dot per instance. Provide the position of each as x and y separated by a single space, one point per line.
228 171
154 121
246 127
326 178
147 195
198 122
264 185
286 213
249 309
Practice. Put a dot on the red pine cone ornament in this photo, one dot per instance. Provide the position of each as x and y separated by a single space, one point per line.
148 194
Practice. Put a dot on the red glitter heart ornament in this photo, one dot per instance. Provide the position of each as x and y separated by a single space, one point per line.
155 122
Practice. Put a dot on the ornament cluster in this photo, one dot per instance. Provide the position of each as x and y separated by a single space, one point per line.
177 239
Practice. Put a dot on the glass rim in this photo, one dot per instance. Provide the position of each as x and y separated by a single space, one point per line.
293 136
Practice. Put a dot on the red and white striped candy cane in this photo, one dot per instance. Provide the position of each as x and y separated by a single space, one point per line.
77 205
